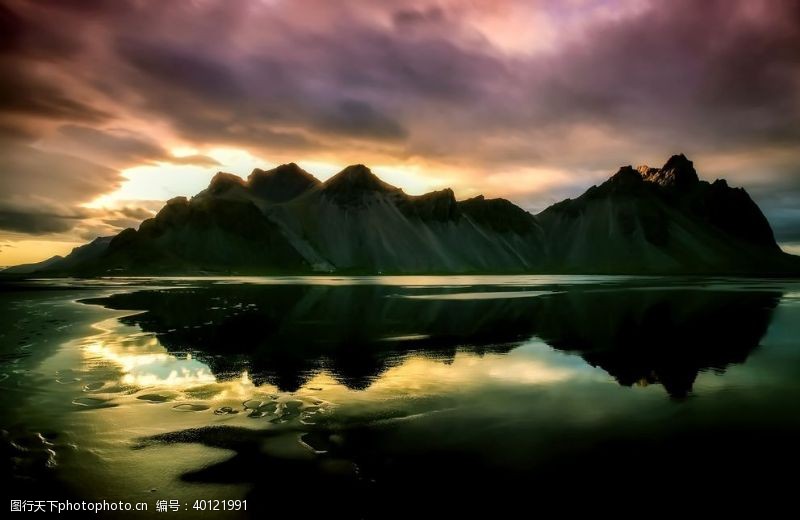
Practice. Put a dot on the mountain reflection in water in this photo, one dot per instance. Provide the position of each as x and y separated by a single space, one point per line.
284 335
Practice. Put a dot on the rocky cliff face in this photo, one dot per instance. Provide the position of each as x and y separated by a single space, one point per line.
284 220
354 222
678 173
641 221
204 234
661 220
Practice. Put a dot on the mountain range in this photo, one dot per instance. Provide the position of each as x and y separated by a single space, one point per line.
285 221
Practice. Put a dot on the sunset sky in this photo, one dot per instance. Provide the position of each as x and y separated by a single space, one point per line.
108 108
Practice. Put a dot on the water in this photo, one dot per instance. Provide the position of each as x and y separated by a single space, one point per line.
386 396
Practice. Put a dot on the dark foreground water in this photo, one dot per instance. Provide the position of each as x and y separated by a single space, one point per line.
398 396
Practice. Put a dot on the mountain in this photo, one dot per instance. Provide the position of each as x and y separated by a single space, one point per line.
33 267
78 256
354 222
282 183
660 221
203 234
286 221
641 221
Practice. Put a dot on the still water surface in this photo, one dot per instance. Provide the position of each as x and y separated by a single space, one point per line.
378 396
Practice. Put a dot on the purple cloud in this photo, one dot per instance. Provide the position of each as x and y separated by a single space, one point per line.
582 89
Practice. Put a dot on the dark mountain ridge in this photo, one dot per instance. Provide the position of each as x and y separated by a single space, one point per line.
662 220
284 220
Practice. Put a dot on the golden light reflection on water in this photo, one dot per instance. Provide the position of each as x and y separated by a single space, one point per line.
419 375
155 369
142 362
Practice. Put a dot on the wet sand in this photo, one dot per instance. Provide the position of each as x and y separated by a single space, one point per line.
368 400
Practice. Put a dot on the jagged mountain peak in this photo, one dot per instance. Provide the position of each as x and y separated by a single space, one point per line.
281 183
223 181
177 201
446 194
662 220
438 205
359 176
288 170
679 162
678 172
627 175
500 215
357 170
350 184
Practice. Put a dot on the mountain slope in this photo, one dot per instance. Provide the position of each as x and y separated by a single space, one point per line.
214 235
195 237
286 221
356 222
33 267
77 257
660 221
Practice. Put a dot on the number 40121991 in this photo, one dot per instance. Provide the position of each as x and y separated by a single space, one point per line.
220 505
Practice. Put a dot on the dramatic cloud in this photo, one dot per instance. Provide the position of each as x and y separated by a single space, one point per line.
126 216
41 192
121 148
530 100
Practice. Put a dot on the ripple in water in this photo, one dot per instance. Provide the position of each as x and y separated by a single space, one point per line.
92 402
190 407
318 442
157 398
225 410
287 411
262 410
253 404
29 454
202 392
